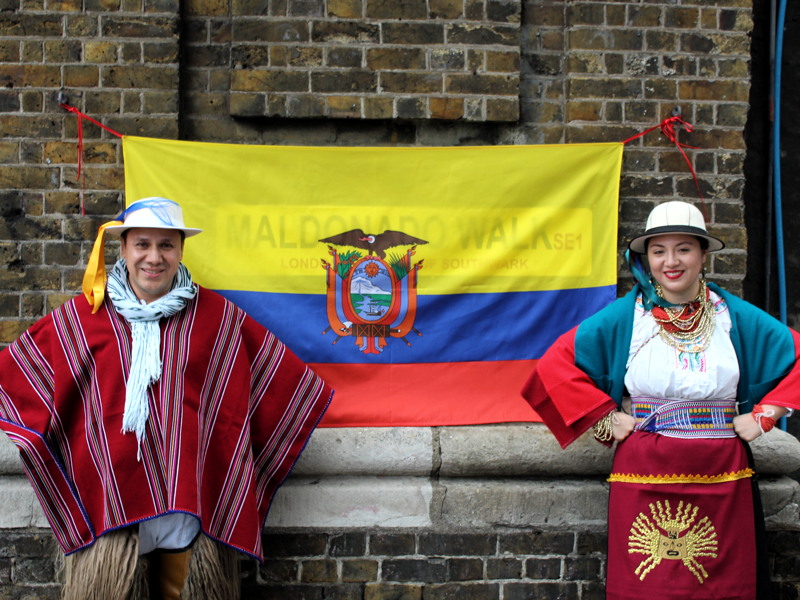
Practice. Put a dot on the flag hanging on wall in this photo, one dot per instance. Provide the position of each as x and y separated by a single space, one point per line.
422 283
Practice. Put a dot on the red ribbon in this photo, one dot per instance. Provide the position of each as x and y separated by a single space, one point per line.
667 127
764 420
82 116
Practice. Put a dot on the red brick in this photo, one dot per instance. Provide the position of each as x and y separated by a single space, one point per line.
446 9
343 106
411 83
347 9
502 85
396 9
446 108
395 58
269 80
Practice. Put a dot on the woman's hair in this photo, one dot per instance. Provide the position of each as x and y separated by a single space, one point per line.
703 243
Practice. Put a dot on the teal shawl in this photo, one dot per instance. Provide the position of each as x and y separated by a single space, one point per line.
763 345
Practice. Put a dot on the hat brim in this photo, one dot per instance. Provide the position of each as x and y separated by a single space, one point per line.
116 230
637 244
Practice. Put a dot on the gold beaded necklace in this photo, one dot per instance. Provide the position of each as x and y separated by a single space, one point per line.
690 327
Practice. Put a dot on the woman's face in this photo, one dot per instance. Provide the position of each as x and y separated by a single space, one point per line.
676 261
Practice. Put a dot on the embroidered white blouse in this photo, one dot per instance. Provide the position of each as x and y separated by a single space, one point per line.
657 370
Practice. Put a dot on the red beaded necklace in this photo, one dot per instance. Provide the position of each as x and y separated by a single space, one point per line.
688 328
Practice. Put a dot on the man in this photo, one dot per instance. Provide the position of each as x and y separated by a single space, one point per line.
155 419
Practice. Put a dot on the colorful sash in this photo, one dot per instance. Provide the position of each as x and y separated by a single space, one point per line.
685 418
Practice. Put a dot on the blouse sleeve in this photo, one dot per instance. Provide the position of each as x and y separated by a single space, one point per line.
565 397
787 392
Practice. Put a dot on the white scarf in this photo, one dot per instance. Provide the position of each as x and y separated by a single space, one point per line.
146 338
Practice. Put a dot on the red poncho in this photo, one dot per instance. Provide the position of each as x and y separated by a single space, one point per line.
229 416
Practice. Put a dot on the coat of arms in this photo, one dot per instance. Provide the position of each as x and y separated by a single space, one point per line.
372 296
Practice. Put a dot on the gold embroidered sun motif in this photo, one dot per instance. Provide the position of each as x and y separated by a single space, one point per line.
673 537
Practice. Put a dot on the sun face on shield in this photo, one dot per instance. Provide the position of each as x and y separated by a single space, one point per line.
680 534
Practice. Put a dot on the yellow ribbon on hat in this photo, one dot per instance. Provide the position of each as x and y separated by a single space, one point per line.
94 279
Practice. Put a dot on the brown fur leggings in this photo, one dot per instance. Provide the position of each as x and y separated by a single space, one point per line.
112 569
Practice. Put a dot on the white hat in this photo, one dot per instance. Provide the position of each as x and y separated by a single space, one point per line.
153 213
675 217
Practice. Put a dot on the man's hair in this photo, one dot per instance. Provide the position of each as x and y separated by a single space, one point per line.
124 235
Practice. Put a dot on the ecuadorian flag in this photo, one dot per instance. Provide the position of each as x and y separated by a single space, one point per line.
421 283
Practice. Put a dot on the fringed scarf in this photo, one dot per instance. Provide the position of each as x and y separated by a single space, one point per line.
146 338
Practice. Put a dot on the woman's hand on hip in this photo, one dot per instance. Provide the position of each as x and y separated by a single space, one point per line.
753 424
746 427
622 425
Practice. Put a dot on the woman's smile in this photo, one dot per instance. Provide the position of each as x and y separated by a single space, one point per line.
676 262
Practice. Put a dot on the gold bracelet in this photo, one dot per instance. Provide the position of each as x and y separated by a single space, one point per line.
604 429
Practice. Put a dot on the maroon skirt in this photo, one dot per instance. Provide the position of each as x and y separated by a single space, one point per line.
681 520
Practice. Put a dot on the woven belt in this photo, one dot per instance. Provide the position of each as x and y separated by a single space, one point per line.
685 418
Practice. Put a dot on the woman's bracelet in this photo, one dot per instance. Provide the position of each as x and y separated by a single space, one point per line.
763 418
604 429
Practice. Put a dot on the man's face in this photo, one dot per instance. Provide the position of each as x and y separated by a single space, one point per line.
153 257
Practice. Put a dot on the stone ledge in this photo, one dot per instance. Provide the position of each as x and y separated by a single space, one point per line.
517 450
419 502
504 450
21 508
530 450
368 451
386 502
541 504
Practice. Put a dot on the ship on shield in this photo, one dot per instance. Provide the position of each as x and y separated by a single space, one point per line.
371 296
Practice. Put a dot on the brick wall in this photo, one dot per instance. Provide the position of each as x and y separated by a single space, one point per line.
372 59
524 565
412 566
363 72
400 565
588 71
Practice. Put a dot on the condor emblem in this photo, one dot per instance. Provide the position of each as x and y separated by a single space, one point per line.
371 296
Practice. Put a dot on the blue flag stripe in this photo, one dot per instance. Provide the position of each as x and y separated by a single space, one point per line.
451 328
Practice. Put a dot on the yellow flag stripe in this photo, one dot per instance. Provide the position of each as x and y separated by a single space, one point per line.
495 219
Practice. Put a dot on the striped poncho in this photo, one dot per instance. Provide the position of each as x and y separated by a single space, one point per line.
228 418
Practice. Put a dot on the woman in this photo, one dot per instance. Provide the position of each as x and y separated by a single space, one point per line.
705 372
